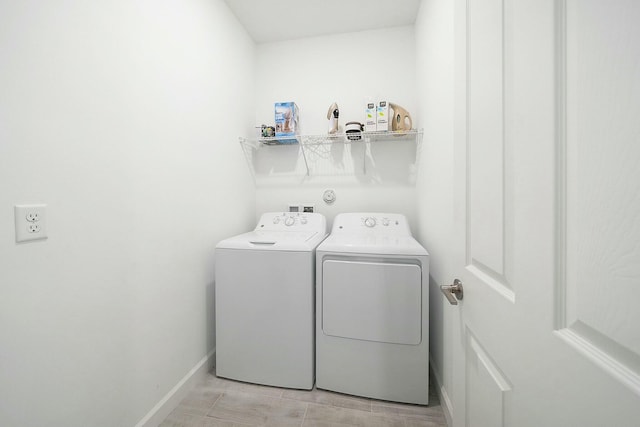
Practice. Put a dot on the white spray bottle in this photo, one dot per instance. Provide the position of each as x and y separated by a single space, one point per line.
332 116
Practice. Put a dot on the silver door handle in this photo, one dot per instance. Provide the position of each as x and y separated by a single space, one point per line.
450 290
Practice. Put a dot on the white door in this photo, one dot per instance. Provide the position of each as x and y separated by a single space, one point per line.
548 212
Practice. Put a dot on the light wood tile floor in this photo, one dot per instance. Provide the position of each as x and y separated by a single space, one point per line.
219 402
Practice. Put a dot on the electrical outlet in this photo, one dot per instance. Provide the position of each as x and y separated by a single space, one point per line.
31 222
32 216
308 208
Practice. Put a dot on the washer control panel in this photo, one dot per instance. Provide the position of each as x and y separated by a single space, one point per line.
372 223
382 221
294 221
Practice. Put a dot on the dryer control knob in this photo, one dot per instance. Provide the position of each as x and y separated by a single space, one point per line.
276 220
385 221
289 221
370 221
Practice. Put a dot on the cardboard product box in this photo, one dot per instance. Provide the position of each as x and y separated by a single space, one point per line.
382 116
287 116
370 121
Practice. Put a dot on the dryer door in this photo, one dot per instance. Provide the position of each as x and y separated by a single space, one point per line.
373 301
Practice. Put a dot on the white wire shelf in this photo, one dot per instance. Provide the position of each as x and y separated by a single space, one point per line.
314 150
413 134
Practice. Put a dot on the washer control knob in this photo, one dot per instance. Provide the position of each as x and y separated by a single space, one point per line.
385 222
276 220
370 221
289 221
303 220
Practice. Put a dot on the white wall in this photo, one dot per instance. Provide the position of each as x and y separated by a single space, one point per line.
123 118
345 68
435 42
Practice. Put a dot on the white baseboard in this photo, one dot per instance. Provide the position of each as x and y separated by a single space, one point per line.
445 402
171 400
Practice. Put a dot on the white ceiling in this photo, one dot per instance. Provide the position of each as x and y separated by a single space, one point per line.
277 20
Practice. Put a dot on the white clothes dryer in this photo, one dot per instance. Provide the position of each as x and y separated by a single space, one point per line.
264 304
372 308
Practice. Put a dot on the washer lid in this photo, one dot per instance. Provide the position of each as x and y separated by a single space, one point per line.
274 240
372 244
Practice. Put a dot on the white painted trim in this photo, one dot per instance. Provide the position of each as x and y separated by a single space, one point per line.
445 402
172 399
601 358
561 165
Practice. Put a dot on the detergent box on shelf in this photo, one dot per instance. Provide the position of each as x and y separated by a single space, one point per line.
287 116
370 121
382 117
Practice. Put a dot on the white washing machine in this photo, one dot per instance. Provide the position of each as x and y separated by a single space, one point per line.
372 308
264 293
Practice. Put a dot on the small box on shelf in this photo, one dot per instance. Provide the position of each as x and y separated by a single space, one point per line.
286 120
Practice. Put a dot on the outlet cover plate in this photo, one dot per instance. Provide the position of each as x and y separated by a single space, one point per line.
31 222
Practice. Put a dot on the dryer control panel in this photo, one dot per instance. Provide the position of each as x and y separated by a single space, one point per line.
292 221
373 223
